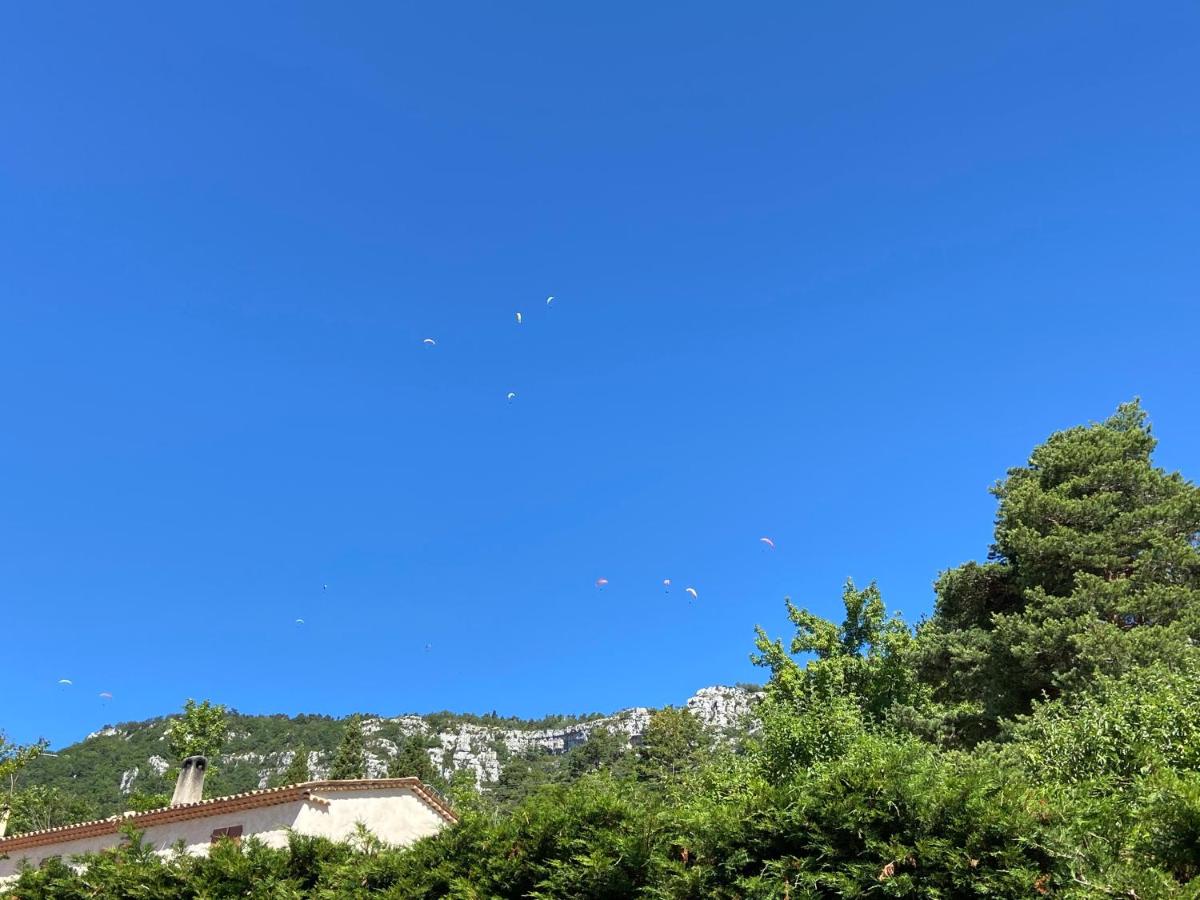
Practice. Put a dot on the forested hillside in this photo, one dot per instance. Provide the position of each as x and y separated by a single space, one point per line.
129 765
1038 735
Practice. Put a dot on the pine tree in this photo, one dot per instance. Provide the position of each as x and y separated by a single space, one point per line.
411 761
1095 570
297 771
351 758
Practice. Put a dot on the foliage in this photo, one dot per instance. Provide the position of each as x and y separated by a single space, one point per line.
412 761
201 731
14 758
297 771
672 743
1095 569
39 807
351 759
1146 721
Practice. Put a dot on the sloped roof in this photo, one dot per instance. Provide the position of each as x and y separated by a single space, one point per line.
216 806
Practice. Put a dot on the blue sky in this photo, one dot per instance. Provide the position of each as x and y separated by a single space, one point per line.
822 273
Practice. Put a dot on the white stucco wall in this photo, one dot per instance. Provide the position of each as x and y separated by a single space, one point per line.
396 816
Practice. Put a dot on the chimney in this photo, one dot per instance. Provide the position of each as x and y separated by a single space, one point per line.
189 787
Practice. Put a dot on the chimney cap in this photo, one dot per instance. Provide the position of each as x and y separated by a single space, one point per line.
189 786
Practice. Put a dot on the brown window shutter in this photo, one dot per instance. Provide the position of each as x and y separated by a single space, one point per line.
233 832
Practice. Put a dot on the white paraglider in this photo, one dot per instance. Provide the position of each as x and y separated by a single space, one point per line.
105 695
511 396
429 342
299 621
549 299
518 318
692 591
601 582
65 681
770 543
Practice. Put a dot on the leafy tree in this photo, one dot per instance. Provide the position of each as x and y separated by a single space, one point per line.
201 731
38 807
1146 721
15 757
351 759
672 743
867 657
1095 569
143 801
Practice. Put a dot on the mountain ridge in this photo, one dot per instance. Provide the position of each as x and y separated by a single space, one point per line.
109 766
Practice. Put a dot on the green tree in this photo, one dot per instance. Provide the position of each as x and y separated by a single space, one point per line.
201 731
297 771
351 759
412 761
15 757
867 658
604 749
38 807
672 743
1095 569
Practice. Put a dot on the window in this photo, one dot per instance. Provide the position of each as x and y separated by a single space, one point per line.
233 832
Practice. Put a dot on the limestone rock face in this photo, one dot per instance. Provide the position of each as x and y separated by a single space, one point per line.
128 777
723 708
478 748
481 749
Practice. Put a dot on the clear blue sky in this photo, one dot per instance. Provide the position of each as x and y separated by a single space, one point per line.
822 273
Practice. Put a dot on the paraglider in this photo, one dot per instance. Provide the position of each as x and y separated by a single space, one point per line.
666 582
692 591
66 681
549 299
511 396
518 318
105 695
770 543
299 621
601 582
429 342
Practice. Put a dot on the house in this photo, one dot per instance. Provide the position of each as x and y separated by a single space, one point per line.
398 811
